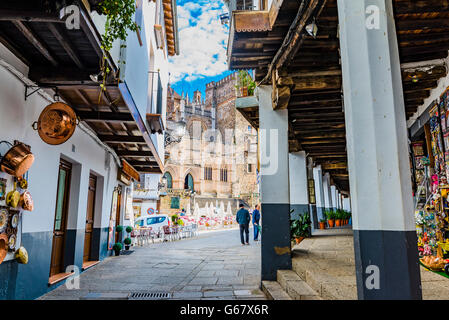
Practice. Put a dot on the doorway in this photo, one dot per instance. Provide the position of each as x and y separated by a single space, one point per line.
87 256
60 222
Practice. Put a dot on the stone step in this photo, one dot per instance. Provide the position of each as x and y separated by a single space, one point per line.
296 287
274 291
335 281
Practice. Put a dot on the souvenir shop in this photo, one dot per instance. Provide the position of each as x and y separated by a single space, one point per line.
430 172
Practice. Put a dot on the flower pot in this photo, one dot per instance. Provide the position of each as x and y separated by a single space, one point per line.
338 222
298 240
117 252
127 247
322 225
330 223
244 91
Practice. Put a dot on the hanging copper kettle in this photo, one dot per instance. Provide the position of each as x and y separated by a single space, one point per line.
17 161
56 124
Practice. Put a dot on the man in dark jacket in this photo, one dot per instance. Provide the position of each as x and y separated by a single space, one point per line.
243 218
256 220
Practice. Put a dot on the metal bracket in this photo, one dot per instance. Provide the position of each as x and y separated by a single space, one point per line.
27 94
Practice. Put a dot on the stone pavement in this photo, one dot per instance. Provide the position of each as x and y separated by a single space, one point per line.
326 263
213 265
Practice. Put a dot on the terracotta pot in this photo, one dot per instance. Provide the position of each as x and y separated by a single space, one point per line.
298 240
17 160
322 225
4 244
244 91
330 223
338 223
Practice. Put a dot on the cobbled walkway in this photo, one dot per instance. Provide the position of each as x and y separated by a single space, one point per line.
213 265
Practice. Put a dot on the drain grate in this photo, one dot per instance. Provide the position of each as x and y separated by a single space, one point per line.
149 295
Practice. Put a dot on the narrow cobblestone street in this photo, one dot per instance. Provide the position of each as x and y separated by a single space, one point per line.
213 265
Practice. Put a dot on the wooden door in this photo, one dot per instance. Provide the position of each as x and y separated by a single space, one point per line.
89 218
117 213
60 223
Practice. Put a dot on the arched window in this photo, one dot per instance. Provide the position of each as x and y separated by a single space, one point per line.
169 179
188 182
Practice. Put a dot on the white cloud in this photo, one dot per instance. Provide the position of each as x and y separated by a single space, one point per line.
203 40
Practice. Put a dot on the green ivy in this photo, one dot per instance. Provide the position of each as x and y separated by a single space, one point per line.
119 19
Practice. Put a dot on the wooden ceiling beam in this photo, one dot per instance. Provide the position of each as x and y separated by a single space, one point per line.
32 38
105 116
65 43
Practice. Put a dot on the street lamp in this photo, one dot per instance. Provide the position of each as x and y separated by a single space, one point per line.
175 135
161 185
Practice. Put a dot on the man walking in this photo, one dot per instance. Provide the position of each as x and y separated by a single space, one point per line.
243 218
256 219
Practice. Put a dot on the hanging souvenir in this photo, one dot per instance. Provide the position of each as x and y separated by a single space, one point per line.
3 219
21 255
2 189
56 124
12 242
3 246
26 201
13 197
18 160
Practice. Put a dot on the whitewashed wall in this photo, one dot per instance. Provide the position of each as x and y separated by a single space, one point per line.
17 116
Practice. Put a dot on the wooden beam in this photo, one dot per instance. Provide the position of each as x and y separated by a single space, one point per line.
29 16
294 37
65 43
122 139
134 154
28 33
334 165
105 116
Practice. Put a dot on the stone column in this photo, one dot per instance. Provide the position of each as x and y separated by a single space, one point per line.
299 200
327 191
319 192
274 186
334 197
385 243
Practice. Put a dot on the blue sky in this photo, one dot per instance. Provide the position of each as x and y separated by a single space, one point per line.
203 40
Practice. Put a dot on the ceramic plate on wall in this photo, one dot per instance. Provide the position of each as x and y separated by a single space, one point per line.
12 242
3 219
15 220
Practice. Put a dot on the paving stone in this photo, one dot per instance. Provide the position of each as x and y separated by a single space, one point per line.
230 280
188 295
203 280
208 294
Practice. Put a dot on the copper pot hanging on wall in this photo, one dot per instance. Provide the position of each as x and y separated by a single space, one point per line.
4 243
17 160
56 123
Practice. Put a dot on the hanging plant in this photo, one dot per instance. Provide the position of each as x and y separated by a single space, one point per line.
119 19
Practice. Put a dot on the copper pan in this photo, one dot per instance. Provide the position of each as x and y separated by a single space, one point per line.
17 160
4 243
56 124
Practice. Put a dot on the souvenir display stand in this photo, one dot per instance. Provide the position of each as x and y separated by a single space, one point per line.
15 160
432 191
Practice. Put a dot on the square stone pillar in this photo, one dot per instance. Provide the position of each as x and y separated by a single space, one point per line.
299 200
385 243
319 193
274 186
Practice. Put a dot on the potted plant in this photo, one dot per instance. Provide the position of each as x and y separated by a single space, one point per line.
245 84
338 218
323 224
301 228
330 215
127 242
117 247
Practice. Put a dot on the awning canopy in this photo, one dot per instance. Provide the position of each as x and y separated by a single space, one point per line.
307 75
64 60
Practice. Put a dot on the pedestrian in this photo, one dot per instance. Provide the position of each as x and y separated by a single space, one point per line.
243 218
256 222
